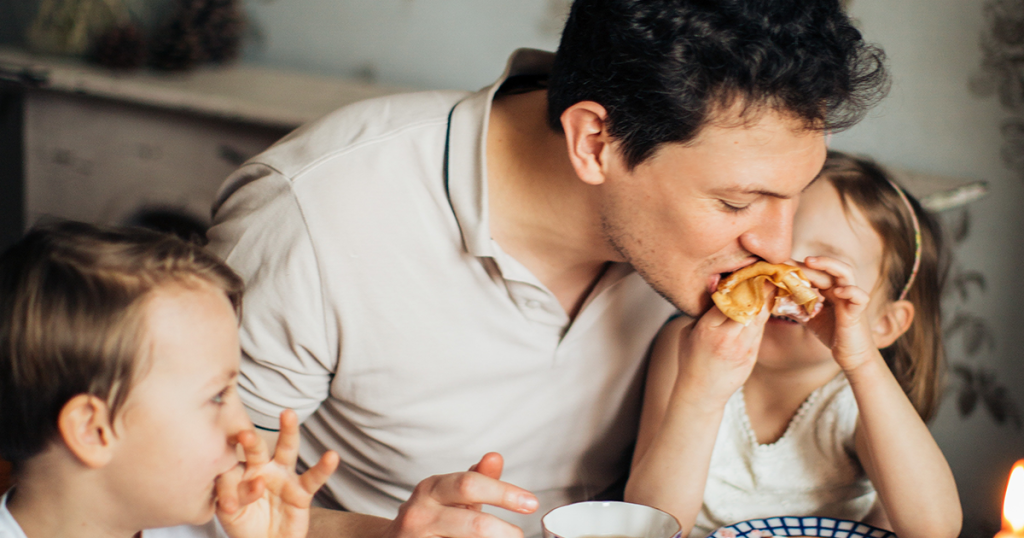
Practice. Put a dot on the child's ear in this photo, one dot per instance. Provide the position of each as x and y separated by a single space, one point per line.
85 425
892 323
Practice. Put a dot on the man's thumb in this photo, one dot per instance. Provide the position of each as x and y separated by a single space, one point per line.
490 465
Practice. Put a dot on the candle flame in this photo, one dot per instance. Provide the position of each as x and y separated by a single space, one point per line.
1013 505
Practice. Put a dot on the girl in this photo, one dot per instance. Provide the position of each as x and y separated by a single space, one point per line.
828 418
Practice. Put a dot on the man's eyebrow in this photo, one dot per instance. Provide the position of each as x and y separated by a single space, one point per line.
755 191
813 181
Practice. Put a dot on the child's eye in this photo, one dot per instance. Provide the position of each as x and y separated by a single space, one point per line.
219 398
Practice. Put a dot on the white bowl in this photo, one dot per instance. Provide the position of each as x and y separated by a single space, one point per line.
609 518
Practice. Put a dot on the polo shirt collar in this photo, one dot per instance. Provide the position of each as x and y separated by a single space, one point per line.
466 159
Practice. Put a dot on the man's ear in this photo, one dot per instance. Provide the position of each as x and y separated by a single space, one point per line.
85 426
586 134
892 323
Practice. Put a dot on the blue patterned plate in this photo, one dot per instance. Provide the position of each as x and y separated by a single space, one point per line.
824 527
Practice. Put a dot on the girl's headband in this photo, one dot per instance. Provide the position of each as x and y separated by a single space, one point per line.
917 239
913 218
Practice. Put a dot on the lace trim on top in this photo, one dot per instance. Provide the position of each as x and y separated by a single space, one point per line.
748 429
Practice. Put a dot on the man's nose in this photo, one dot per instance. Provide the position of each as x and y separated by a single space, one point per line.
771 238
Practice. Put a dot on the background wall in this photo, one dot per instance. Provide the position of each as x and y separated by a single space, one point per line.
930 122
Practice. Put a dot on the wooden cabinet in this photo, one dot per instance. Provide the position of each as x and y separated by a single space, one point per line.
86 143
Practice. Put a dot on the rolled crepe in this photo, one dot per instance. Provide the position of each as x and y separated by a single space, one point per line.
741 295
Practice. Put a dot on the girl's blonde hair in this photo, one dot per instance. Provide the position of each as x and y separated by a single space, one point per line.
916 357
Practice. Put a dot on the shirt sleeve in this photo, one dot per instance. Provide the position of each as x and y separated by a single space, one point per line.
287 358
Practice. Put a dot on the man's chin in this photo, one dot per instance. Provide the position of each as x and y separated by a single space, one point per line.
694 306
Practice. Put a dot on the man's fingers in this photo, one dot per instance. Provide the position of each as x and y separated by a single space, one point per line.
490 465
287 451
467 489
461 523
254 448
419 518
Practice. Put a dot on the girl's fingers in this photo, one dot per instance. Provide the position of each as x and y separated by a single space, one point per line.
287 451
757 324
714 317
853 294
818 279
841 272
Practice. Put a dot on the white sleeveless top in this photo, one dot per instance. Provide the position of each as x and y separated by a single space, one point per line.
811 470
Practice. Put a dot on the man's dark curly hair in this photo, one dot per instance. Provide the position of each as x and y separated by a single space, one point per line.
662 68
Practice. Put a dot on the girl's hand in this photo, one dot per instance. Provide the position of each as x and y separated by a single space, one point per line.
264 497
717 354
843 324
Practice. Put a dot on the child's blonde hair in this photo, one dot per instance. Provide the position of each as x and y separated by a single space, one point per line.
916 357
71 317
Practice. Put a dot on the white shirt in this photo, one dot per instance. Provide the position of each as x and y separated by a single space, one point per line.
380 309
812 470
9 528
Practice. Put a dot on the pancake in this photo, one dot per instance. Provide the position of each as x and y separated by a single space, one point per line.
741 295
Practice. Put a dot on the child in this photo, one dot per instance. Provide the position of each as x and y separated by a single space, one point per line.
737 427
118 358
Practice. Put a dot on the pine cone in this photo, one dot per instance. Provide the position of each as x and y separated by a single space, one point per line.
176 47
220 24
121 47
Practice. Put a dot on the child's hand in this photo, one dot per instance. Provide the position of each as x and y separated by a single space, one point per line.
717 354
842 325
264 497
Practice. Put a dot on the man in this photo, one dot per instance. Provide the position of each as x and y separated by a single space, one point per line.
438 275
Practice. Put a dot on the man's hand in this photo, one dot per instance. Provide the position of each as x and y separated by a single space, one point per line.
449 505
263 497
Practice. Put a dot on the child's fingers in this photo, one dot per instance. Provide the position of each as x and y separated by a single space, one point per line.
841 272
316 476
287 451
250 490
254 448
299 494
756 325
853 294
818 279
227 486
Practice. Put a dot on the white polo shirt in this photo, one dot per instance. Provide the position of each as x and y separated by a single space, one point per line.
380 309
